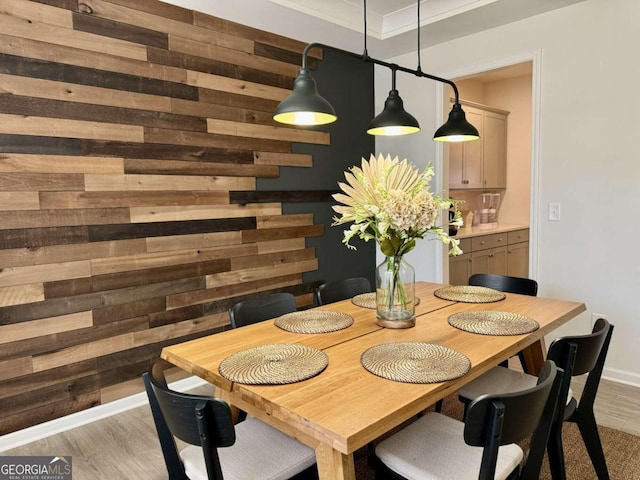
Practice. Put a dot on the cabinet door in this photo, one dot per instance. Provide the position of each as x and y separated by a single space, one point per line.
472 152
495 150
498 261
456 169
460 269
518 260
493 260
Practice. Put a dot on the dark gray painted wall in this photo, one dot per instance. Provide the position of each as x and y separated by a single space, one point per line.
347 83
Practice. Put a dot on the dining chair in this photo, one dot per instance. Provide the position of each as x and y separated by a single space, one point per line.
264 307
217 448
337 290
439 447
576 355
507 284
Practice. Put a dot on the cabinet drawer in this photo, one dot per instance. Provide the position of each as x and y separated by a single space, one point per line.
518 236
488 241
465 244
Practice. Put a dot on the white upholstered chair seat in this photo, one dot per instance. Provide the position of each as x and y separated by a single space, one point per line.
500 380
260 453
433 447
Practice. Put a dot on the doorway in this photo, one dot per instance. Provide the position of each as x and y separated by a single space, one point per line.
511 85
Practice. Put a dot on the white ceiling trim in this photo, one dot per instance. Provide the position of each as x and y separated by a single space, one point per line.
386 19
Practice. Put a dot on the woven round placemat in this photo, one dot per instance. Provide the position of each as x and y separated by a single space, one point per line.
274 364
314 321
469 294
368 300
415 362
489 322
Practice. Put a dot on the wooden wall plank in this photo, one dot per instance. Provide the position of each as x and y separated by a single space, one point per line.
161 9
197 212
36 381
232 85
216 67
38 181
219 97
284 159
281 245
38 237
95 70
122 14
196 325
157 135
225 127
59 109
57 218
27 163
166 167
70 38
19 257
15 368
265 234
279 221
196 262
112 183
221 290
56 127
46 326
19 294
122 31
19 201
44 273
73 92
230 56
161 244
263 273
236 29
101 233
24 10
56 200
222 112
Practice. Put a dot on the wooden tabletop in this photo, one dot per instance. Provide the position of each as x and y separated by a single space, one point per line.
345 407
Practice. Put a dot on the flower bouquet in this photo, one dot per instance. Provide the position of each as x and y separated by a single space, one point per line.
389 201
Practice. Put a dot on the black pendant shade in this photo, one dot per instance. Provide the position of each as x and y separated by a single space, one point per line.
456 129
304 106
394 119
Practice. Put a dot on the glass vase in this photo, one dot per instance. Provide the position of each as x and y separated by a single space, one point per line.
395 293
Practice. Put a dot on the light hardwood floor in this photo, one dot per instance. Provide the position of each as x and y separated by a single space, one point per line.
125 446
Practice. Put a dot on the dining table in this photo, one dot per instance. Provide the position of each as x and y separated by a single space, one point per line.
344 406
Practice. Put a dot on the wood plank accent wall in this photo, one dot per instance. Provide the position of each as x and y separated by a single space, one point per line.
131 137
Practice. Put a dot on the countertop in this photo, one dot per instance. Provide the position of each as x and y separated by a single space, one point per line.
467 232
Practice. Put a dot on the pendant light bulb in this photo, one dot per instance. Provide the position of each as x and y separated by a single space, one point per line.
456 128
394 119
304 106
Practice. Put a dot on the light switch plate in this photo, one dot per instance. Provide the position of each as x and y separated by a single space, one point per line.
554 212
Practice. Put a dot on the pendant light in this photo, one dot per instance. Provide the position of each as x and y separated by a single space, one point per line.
394 119
305 106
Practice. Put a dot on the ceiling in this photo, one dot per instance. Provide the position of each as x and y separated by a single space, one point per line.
394 21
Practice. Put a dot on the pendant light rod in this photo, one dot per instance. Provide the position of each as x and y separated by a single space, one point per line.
392 66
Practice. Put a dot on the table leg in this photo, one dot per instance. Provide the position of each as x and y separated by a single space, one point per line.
534 356
334 465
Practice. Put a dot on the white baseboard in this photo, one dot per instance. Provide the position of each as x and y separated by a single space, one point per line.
37 432
621 376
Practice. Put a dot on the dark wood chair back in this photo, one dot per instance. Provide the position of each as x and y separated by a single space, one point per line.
505 283
338 290
579 355
261 308
494 420
194 419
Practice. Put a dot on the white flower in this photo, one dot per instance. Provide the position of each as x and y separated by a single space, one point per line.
389 201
